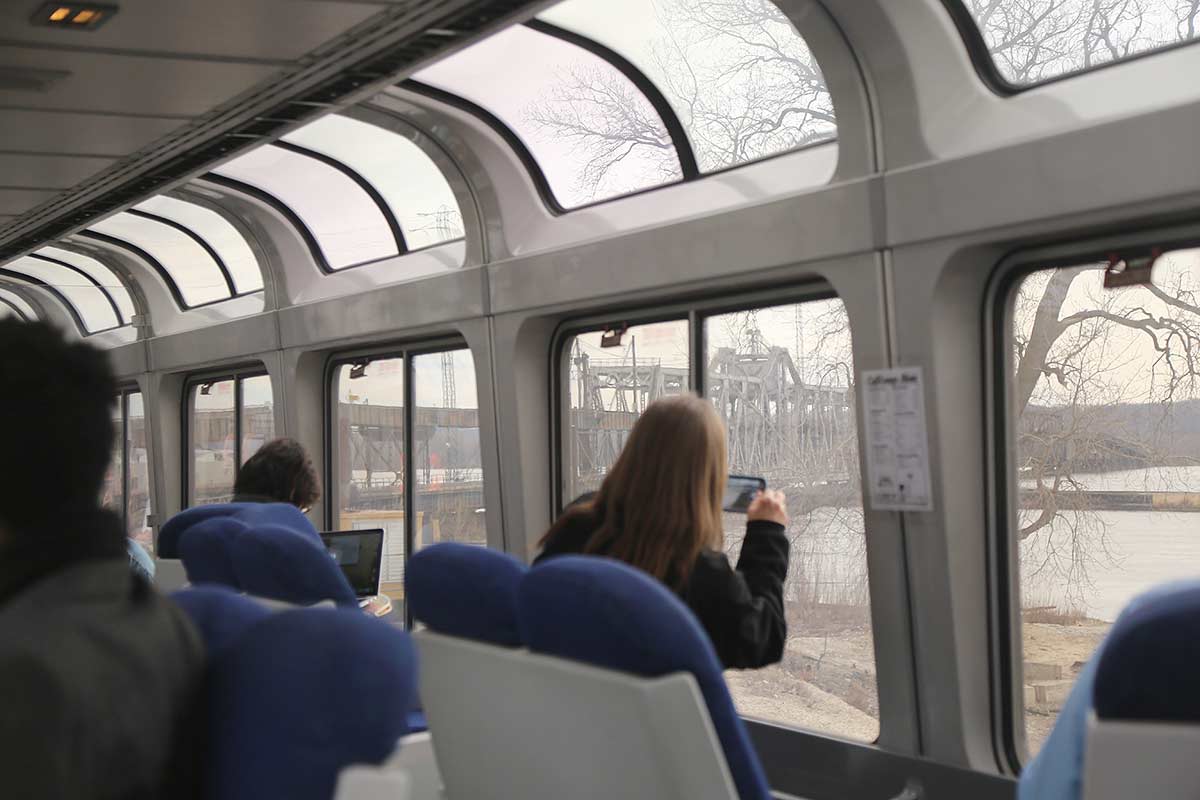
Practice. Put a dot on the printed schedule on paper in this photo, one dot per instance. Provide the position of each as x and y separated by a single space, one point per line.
897 445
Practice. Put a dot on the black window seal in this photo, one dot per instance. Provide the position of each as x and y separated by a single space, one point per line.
510 137
130 247
989 73
107 294
195 237
301 228
360 180
235 374
15 309
68 306
682 143
1011 270
538 176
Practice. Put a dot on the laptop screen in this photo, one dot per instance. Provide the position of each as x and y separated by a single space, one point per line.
360 555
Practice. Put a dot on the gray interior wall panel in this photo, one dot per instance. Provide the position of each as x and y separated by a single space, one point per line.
1092 173
424 302
129 361
829 222
237 340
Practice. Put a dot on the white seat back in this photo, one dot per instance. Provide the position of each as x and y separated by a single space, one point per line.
169 574
514 724
1141 760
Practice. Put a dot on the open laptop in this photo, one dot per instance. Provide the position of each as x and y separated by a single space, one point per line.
360 555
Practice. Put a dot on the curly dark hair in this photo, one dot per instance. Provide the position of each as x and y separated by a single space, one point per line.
280 471
56 403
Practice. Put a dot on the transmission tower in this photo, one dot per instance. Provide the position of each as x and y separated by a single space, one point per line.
449 400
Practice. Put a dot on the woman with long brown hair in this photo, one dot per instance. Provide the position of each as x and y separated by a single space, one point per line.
659 509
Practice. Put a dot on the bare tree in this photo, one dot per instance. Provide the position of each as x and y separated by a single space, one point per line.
742 82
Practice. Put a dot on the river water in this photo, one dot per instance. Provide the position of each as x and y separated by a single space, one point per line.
1126 552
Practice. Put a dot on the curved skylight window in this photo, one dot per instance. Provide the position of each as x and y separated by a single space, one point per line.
92 306
1034 41
415 190
737 74
593 132
15 305
350 227
192 267
218 232
103 276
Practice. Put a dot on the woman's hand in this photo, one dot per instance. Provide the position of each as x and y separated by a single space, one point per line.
770 506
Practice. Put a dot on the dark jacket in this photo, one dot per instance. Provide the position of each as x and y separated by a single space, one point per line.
741 608
99 681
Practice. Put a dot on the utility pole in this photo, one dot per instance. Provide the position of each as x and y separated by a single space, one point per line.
449 398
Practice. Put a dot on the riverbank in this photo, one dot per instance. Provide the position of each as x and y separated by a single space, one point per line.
827 683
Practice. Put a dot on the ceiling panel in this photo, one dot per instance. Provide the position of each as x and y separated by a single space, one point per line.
57 132
262 29
18 201
49 172
127 84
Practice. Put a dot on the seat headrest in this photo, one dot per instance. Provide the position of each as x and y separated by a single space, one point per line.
173 529
275 562
220 614
603 612
304 694
467 591
205 549
252 514
1148 666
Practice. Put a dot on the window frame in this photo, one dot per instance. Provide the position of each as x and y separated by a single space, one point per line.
122 399
987 71
237 375
1006 673
696 312
8 277
164 272
406 352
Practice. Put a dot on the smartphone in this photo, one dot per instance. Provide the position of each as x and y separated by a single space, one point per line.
740 491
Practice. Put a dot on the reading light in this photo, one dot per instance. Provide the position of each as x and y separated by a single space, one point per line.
76 16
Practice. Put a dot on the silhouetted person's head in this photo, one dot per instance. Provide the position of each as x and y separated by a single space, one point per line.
56 401
279 472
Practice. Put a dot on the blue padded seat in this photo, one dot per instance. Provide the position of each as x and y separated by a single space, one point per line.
1161 621
603 612
252 514
173 529
466 591
205 549
220 614
1148 670
275 562
303 694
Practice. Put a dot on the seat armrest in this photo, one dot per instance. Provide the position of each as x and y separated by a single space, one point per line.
359 782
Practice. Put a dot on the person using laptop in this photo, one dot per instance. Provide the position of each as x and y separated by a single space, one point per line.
280 472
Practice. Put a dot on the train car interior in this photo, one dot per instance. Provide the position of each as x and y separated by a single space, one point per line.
935 264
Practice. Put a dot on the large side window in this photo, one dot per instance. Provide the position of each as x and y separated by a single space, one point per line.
1103 402
447 466
405 454
607 387
127 483
782 380
229 417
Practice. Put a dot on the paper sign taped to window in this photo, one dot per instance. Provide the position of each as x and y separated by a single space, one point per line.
896 440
